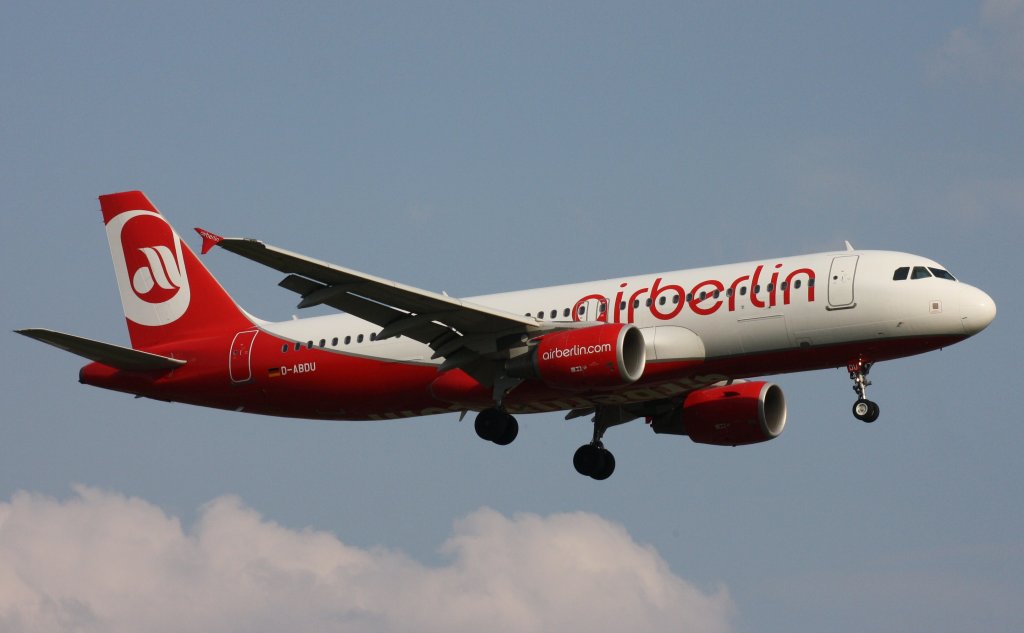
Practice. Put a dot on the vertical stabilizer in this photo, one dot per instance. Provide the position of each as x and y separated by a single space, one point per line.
166 292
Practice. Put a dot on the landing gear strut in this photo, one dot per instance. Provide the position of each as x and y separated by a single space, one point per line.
864 410
496 425
594 460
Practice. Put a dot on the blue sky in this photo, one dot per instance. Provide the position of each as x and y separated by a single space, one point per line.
474 148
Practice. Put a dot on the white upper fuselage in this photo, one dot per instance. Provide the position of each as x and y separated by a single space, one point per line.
807 301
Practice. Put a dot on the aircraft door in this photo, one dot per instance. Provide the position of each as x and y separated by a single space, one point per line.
593 309
840 282
240 361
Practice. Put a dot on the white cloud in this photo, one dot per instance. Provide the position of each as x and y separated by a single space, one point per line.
991 50
104 562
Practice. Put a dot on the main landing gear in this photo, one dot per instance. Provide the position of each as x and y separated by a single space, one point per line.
496 425
594 460
864 410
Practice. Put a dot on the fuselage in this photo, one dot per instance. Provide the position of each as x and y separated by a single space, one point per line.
701 326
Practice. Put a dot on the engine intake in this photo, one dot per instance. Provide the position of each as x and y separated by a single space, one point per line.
730 415
596 357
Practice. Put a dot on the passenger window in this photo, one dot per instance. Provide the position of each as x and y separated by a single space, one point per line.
309 344
796 284
784 286
757 289
348 340
373 336
716 294
901 273
675 298
581 310
565 313
703 295
661 301
728 292
636 303
284 348
920 272
334 342
689 297
622 305
602 307
323 342
359 339
810 282
529 314
554 313
942 274
743 290
648 302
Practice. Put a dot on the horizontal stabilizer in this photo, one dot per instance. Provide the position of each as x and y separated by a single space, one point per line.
115 356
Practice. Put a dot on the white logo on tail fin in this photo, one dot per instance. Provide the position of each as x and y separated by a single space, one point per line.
150 275
163 271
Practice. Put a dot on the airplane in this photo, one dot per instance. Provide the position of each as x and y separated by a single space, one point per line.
678 349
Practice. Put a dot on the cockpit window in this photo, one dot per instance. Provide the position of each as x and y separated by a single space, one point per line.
901 273
920 272
942 274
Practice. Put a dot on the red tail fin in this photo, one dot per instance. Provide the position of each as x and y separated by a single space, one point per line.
166 292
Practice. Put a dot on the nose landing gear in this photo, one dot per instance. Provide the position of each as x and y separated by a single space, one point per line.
863 409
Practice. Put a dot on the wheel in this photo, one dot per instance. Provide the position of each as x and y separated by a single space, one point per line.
586 459
486 423
494 425
509 431
865 410
594 461
607 465
873 413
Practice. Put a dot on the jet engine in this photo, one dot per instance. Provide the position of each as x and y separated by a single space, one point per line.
728 415
596 357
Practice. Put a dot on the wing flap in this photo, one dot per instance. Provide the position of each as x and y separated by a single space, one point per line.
115 356
393 321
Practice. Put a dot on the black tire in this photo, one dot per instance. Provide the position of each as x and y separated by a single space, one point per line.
607 465
488 422
586 460
865 410
509 431
873 413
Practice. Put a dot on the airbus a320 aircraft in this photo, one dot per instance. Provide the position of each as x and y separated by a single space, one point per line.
675 348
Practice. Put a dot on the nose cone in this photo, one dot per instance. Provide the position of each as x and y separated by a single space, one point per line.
977 310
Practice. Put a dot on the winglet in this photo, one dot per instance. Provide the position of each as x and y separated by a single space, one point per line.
849 247
209 239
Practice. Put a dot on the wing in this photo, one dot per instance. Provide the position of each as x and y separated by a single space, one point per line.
468 336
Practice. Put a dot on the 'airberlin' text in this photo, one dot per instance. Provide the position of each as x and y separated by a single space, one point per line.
666 301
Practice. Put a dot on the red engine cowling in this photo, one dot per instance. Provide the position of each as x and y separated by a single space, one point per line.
596 357
740 413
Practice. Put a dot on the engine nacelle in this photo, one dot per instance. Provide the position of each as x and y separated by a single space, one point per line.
596 357
730 415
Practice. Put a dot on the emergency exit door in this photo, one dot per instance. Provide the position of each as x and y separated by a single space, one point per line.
240 361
